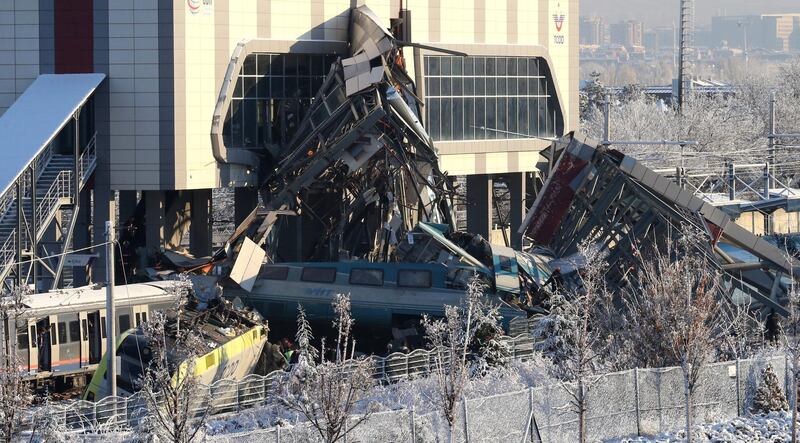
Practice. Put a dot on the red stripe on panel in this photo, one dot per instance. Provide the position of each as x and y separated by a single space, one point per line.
74 36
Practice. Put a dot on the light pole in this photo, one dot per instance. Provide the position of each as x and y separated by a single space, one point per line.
743 25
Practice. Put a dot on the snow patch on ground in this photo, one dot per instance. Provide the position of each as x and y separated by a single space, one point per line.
773 427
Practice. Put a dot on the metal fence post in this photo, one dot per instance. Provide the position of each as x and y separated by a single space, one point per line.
636 397
466 421
278 435
530 411
738 390
413 426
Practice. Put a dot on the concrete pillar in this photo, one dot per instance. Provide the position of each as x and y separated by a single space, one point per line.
479 204
245 200
200 228
516 189
154 217
177 217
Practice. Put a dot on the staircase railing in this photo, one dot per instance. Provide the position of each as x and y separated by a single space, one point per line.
51 201
87 160
7 254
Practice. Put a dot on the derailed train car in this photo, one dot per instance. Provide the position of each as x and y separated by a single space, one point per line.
61 335
230 347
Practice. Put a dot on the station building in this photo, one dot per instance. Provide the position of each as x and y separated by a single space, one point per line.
192 90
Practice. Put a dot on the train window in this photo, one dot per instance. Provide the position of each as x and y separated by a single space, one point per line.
138 319
74 331
144 317
53 339
33 334
62 332
319 275
505 263
85 329
124 322
370 277
103 327
22 340
407 278
274 272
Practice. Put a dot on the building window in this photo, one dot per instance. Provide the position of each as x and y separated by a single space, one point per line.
478 98
270 97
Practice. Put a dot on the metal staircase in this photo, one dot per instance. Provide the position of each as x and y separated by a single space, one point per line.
50 183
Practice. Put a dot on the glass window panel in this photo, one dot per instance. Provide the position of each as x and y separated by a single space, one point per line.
433 118
491 117
533 86
291 87
445 66
250 89
446 87
435 65
458 87
446 119
491 86
511 118
304 65
469 66
458 66
276 87
491 66
469 119
435 87
469 86
550 120
522 66
249 65
511 66
512 86
480 66
274 272
413 279
263 64
522 86
458 119
480 118
523 124
480 86
263 87
250 123
501 66
276 67
236 123
290 64
543 90
237 88
74 331
501 117
542 126
501 86
533 69
319 275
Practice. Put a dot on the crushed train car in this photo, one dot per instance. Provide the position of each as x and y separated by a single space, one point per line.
232 340
594 192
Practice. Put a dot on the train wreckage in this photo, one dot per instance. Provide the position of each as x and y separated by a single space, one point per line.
361 172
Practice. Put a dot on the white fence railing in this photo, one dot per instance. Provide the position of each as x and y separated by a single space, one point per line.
229 395
642 402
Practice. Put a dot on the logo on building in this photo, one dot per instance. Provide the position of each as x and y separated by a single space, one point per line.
198 6
558 19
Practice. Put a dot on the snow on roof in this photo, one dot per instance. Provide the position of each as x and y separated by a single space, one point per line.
37 116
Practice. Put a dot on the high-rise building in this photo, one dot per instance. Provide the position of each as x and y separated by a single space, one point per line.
627 33
592 31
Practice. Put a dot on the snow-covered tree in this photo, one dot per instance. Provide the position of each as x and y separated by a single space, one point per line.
467 341
674 311
326 393
575 335
769 396
175 399
15 392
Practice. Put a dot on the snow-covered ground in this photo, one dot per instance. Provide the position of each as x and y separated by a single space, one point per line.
774 427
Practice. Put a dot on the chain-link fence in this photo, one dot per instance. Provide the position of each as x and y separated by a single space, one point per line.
628 403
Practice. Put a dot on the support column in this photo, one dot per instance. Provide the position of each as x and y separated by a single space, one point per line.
200 228
516 188
245 200
154 220
80 238
177 217
479 204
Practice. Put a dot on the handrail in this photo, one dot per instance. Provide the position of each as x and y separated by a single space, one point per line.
60 188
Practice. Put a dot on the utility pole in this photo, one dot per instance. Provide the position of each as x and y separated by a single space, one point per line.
685 48
111 354
607 117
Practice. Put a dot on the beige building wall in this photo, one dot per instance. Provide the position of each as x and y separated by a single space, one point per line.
206 33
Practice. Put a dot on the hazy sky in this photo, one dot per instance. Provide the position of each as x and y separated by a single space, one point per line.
664 12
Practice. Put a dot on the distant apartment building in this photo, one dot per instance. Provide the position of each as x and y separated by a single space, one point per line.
659 39
592 31
627 33
770 31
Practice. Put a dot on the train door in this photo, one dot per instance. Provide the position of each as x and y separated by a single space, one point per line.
33 348
103 332
82 320
43 344
139 315
55 354
94 336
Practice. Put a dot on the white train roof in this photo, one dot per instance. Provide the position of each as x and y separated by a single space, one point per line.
88 297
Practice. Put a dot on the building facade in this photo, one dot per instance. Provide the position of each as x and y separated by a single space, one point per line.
167 64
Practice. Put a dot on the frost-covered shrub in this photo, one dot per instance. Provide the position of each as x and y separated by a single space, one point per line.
769 396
